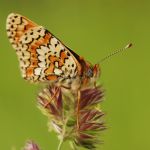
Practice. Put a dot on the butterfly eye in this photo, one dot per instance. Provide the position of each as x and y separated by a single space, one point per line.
89 73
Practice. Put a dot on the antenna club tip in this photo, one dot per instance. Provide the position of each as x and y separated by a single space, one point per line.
129 45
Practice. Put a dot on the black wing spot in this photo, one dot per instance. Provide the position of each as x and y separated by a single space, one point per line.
31 33
56 45
15 16
71 71
26 38
10 37
62 50
68 54
12 33
72 65
39 30
13 20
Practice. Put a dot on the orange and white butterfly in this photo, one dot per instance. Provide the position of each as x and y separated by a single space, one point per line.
43 57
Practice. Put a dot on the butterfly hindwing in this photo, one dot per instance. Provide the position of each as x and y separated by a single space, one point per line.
41 55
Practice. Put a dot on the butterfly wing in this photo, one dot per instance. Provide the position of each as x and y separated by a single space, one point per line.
41 55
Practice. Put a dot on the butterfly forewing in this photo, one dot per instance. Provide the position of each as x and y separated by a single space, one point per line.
41 55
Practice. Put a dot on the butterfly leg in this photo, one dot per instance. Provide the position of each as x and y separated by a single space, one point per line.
95 84
78 107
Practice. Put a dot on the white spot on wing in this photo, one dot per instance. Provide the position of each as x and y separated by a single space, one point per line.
42 64
57 71
41 58
53 41
38 71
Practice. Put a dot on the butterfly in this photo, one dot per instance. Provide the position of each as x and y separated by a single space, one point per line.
43 57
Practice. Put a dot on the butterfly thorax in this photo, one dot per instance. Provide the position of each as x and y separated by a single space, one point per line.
87 77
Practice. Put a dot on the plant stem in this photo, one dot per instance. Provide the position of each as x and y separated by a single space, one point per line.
63 134
73 146
60 144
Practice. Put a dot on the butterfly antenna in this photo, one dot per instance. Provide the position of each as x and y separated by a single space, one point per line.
115 52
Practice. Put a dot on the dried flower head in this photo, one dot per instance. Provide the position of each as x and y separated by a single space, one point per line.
30 145
78 121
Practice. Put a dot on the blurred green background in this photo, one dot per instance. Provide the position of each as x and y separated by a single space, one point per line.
93 29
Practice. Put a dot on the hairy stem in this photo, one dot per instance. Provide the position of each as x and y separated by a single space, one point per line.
63 132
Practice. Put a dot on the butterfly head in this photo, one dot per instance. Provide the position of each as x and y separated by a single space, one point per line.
92 71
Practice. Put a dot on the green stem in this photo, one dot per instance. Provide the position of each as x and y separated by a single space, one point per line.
73 146
60 144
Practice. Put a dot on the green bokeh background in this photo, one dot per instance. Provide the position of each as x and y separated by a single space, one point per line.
92 29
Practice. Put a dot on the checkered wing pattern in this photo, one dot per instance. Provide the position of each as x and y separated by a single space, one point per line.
41 55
